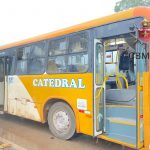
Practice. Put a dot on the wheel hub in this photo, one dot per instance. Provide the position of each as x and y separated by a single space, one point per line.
61 121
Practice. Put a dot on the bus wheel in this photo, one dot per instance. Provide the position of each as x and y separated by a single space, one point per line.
61 121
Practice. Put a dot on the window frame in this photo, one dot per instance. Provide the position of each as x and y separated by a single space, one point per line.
57 39
32 46
45 70
71 53
10 53
42 57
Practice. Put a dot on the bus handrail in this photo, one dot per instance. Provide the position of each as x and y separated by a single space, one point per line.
117 81
105 79
118 75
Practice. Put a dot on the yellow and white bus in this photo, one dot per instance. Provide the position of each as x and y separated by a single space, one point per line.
92 78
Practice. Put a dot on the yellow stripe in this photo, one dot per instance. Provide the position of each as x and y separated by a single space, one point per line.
121 122
118 106
116 141
146 109
113 120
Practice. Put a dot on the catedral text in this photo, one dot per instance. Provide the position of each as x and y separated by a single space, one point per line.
64 83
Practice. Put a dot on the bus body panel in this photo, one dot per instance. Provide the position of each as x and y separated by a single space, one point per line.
28 95
146 108
20 103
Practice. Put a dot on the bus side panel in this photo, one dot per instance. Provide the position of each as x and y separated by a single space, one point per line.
29 94
20 103
146 108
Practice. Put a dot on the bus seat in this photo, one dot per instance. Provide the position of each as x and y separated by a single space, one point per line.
82 68
111 83
121 96
52 67
73 68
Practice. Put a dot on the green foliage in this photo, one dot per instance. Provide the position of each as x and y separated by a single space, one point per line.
126 4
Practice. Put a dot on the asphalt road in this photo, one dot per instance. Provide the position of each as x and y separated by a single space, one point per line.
31 135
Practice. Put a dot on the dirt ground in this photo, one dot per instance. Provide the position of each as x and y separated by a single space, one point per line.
31 135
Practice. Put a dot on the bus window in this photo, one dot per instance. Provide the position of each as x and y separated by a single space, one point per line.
23 53
21 67
76 60
39 50
31 59
58 47
99 60
57 64
22 56
78 63
36 62
78 43
68 63
36 66
10 65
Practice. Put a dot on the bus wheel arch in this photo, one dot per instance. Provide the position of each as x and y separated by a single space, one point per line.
51 102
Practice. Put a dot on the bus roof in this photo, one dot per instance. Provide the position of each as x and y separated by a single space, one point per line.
131 13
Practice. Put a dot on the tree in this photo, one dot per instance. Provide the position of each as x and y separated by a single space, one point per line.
126 4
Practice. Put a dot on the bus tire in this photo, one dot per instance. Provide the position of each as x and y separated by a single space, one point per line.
61 121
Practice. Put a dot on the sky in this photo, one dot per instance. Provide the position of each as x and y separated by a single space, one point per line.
21 19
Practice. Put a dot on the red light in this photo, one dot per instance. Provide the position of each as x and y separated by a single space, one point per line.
82 111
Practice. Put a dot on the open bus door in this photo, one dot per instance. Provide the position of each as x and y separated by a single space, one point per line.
99 88
2 83
146 106
144 36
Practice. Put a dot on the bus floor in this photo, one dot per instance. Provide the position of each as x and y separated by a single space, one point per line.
36 136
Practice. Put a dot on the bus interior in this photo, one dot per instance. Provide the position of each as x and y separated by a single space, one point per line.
120 66
121 88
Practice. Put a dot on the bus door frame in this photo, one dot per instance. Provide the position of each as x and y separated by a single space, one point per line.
3 60
101 88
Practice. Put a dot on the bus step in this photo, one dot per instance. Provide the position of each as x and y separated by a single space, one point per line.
116 111
122 129
124 121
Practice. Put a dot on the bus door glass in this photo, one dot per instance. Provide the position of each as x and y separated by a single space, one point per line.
2 83
99 87
142 58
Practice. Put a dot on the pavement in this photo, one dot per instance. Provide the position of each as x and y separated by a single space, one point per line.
23 134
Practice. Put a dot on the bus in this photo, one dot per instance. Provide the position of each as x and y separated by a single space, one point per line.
92 78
